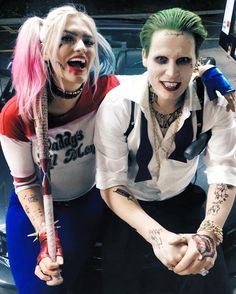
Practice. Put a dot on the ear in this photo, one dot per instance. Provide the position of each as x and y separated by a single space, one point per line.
144 58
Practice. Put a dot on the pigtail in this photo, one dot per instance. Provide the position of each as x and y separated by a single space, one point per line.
106 57
28 67
104 63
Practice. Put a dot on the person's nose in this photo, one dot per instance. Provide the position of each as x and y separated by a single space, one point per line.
80 46
172 70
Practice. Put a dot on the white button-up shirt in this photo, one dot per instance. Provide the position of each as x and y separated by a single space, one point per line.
115 158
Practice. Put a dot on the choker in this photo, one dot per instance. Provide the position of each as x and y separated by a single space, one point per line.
65 94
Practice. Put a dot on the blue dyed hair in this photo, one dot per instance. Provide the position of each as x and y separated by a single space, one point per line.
106 57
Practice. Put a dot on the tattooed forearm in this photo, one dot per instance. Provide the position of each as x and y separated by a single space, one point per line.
32 198
124 193
32 202
33 206
27 210
35 218
221 195
33 212
155 236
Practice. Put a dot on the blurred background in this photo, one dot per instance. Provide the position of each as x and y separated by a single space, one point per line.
22 8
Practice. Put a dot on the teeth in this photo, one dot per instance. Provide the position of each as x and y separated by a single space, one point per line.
170 84
78 59
77 62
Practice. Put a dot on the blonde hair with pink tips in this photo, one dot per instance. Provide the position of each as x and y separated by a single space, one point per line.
37 43
28 67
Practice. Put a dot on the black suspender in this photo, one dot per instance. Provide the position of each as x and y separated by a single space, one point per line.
199 113
131 122
197 146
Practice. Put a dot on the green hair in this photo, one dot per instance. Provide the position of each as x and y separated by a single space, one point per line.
175 19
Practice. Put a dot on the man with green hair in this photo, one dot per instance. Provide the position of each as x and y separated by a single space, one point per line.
162 237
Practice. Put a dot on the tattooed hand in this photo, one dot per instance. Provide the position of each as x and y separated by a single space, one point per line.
200 255
168 247
205 245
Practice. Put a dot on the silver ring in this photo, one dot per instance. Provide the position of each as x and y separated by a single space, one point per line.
204 272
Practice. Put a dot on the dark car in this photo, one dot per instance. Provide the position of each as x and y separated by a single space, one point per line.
123 35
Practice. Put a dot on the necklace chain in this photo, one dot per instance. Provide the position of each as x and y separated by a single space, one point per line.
158 141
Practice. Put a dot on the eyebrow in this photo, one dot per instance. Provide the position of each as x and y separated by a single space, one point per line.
76 34
70 32
190 58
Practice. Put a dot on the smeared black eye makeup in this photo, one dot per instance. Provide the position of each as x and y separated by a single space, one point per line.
72 37
161 59
183 60
88 41
68 39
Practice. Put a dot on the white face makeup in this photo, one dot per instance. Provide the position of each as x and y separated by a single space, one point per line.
76 53
170 63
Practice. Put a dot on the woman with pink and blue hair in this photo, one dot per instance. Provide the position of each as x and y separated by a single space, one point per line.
56 59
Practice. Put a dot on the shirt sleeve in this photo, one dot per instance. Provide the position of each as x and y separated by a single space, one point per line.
17 148
18 155
220 157
111 148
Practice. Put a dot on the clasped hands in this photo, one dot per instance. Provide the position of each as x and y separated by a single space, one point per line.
186 254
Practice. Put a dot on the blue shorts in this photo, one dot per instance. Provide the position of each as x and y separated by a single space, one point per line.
79 220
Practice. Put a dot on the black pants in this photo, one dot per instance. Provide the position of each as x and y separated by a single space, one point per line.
130 266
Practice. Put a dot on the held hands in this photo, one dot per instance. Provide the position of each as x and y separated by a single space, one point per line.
200 255
168 247
185 254
46 269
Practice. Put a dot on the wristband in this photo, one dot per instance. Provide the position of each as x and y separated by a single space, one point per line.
214 80
211 226
44 246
